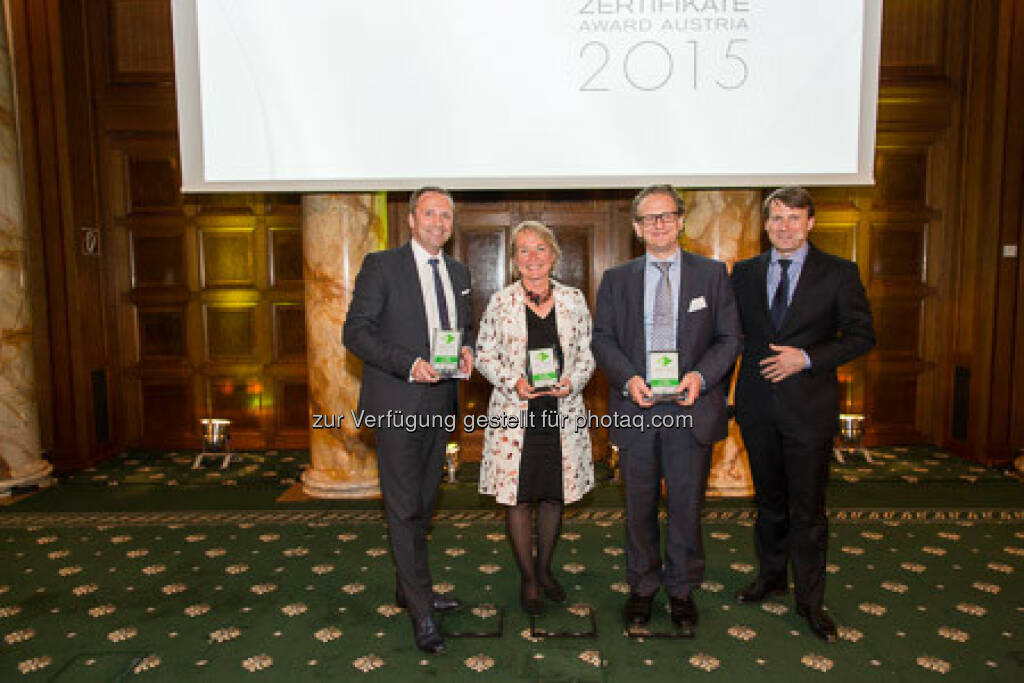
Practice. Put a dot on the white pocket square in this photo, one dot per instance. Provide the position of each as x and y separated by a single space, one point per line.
696 304
464 292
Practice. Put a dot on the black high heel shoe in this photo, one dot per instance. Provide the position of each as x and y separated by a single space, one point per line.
531 605
553 590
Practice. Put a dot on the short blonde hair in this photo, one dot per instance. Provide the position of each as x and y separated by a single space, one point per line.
544 233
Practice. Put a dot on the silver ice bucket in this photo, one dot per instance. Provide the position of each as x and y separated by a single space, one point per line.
851 430
215 434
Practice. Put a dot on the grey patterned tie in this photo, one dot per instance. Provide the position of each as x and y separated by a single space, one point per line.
663 336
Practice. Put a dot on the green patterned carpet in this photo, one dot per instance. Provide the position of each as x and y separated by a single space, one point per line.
159 468
912 465
907 464
145 568
299 596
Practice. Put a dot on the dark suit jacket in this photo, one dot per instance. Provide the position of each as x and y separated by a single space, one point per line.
708 340
386 327
828 317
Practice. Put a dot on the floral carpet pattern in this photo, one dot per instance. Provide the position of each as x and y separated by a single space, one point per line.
247 468
912 465
298 596
907 464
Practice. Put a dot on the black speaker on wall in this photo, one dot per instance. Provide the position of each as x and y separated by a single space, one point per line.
961 401
100 409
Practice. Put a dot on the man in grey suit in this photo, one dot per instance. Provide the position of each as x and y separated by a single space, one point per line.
667 300
401 296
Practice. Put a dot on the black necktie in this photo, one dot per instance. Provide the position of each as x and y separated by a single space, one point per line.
442 301
780 302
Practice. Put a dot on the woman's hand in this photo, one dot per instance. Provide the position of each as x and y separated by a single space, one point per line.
562 388
524 389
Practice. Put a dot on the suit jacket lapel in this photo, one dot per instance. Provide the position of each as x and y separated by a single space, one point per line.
810 273
686 286
457 287
636 300
761 282
410 278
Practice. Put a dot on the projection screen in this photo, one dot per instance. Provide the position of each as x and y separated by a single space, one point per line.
336 95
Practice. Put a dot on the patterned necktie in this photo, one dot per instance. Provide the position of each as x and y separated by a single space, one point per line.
662 334
780 302
442 301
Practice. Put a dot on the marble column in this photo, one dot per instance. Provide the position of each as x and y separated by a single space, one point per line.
338 230
20 458
725 225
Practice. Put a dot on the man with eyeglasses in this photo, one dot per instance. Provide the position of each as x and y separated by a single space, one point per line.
666 335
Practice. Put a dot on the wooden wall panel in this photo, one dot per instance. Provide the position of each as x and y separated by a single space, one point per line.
285 257
293 415
142 49
152 185
227 258
101 148
901 254
914 35
839 239
157 258
162 333
239 399
166 410
289 332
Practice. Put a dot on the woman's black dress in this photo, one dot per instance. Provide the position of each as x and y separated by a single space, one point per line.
540 467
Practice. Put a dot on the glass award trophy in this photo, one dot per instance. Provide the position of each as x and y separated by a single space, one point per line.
663 374
542 368
444 352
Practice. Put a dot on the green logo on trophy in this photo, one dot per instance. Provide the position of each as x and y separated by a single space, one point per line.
444 351
542 367
663 374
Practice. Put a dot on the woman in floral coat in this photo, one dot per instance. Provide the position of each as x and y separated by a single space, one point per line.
535 457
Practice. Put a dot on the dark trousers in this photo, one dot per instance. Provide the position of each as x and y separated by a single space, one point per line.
789 463
410 467
675 456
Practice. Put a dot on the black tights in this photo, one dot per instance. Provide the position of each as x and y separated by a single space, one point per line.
519 523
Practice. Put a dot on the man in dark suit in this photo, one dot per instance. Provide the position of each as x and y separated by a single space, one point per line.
401 296
666 300
804 313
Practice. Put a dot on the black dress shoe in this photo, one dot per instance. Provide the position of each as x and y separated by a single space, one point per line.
759 590
820 622
554 590
683 612
531 604
637 610
441 603
438 602
427 635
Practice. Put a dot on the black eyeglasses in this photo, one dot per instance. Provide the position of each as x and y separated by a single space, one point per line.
652 219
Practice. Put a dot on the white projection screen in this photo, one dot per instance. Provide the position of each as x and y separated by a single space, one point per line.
336 95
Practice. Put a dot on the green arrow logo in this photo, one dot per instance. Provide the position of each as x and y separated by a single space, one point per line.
666 361
544 355
449 338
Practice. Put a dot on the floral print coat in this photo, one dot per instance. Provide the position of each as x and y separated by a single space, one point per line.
501 358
